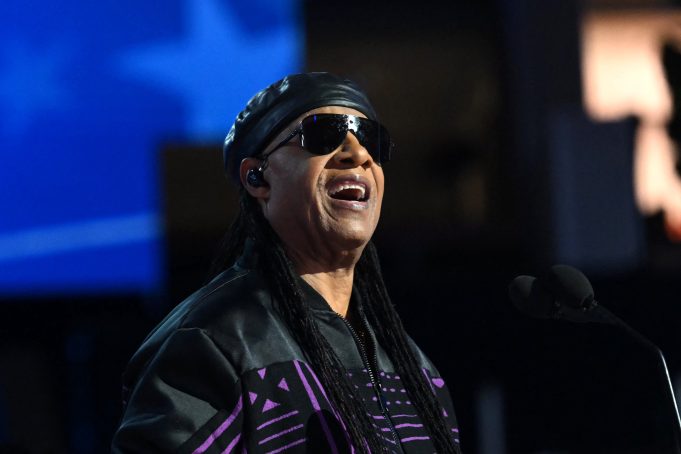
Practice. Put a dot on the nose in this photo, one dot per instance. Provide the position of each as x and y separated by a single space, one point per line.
353 153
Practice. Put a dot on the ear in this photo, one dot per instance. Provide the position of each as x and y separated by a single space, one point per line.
260 192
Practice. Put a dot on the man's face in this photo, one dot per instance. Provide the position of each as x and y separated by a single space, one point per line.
330 202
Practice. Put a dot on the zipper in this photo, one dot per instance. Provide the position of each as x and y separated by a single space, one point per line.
375 381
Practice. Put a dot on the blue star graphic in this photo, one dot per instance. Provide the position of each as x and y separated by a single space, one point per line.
30 85
217 66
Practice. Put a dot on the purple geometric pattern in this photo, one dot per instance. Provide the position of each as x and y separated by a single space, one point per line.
315 405
279 434
221 429
279 418
438 382
297 414
269 405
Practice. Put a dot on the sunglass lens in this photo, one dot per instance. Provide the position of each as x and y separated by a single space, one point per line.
323 134
386 145
375 138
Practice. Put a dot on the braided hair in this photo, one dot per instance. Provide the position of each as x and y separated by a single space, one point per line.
279 273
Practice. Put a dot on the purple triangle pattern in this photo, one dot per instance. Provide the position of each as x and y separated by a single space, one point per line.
252 396
261 372
282 384
269 405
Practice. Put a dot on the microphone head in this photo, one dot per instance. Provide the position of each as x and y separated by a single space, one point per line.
530 297
569 286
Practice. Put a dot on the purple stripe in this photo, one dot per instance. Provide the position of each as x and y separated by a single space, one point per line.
310 393
336 414
404 440
407 424
377 417
425 372
231 445
321 388
308 388
455 430
283 432
285 447
278 418
315 405
212 437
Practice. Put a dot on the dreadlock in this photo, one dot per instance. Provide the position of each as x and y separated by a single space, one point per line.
280 275
392 336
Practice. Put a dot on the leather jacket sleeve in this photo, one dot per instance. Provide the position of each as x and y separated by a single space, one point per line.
182 399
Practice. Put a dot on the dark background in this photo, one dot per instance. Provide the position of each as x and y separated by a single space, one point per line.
478 96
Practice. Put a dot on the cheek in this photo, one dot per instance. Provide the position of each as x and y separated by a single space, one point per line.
293 192
296 169
309 183
380 185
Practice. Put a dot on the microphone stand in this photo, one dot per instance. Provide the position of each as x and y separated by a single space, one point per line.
598 313
572 300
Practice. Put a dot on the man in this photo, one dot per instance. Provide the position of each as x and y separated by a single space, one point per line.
296 346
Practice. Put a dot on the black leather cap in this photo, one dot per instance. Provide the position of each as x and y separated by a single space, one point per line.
272 109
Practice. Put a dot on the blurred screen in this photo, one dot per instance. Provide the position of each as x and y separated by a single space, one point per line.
631 63
89 94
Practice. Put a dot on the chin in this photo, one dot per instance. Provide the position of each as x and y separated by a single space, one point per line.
354 239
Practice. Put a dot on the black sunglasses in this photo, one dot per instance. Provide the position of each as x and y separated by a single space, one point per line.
322 133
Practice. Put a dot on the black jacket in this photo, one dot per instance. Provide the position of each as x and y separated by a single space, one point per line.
221 373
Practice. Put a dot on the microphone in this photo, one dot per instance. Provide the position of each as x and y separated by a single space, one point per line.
565 293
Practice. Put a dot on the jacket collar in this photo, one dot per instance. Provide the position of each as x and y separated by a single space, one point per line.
249 256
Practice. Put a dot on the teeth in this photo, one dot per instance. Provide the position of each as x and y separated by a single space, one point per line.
344 186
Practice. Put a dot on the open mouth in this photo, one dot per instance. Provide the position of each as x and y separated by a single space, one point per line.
353 192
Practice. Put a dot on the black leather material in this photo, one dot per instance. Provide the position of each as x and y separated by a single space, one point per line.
212 353
237 312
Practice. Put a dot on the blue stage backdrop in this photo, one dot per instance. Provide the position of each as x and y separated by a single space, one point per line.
89 91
